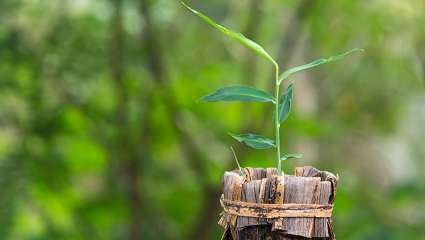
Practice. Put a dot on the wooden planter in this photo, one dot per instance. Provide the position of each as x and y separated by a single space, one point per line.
262 205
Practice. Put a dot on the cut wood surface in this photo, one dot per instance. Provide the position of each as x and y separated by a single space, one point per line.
261 205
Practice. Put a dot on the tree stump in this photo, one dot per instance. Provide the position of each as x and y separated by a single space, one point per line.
259 204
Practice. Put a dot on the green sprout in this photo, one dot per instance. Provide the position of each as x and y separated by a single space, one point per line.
282 104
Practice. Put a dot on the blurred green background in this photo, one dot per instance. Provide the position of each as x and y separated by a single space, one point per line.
101 136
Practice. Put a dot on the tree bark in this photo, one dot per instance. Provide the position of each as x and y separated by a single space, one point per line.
254 204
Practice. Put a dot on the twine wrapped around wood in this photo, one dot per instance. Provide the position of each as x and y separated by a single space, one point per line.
260 204
263 210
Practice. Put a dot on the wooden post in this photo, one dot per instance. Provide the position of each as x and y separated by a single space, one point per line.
263 205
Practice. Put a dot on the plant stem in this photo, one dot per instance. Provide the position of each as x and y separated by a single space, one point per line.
236 159
277 122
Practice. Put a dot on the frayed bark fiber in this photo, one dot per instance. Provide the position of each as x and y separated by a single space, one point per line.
259 204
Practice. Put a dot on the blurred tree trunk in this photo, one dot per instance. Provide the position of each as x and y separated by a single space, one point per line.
124 150
196 158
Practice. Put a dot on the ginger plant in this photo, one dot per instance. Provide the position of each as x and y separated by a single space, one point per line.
282 104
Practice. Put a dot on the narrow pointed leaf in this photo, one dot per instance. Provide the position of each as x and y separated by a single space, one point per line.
285 104
234 35
287 156
238 93
254 140
315 63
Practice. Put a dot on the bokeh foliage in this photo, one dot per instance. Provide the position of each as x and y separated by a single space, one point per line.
101 136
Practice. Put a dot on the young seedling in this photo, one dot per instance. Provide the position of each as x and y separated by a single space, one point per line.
282 104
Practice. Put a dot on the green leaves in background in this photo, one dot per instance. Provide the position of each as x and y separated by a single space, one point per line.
316 63
238 93
254 140
287 156
285 104
235 35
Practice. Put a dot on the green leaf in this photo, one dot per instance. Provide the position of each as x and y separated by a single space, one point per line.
285 104
315 63
290 155
238 93
235 35
254 140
